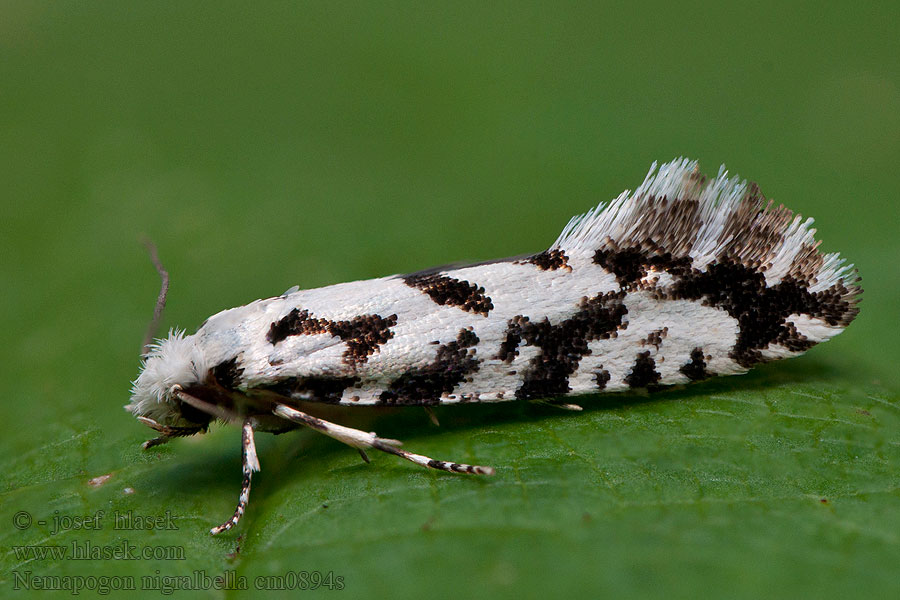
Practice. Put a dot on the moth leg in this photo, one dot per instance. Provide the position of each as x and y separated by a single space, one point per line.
561 405
157 441
361 440
250 464
209 408
432 416
167 433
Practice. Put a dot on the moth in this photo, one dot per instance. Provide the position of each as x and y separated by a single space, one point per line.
683 279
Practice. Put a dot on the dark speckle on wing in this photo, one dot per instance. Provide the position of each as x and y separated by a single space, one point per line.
363 335
454 361
761 311
696 369
643 372
549 260
452 292
562 345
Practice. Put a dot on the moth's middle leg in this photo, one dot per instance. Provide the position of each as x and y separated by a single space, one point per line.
362 440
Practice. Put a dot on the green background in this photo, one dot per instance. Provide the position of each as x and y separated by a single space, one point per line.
263 146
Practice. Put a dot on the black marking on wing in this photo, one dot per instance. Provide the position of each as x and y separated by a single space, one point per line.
453 292
425 385
793 340
509 348
549 260
363 335
296 322
632 264
696 369
643 372
655 338
740 290
318 389
761 311
227 373
602 378
563 345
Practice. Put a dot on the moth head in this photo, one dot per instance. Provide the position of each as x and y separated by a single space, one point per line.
170 366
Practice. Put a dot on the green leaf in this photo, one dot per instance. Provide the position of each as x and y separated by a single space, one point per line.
774 481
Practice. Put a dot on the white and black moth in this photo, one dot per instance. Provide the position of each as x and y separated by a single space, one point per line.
683 279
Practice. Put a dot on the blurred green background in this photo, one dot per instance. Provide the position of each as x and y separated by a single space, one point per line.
267 145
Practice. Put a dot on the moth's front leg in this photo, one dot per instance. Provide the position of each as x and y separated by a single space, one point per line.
166 432
250 463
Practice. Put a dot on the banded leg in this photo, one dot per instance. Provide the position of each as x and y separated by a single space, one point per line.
250 464
361 440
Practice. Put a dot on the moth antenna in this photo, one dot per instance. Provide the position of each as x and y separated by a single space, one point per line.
153 327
